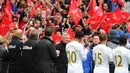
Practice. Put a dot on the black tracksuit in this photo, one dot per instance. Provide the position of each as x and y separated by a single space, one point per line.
45 56
15 54
28 58
62 60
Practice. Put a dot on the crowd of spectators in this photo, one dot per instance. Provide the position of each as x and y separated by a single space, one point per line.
54 13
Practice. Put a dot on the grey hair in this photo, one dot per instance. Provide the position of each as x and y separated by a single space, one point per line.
34 33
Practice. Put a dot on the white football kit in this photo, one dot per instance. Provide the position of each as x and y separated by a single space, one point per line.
102 55
75 53
121 59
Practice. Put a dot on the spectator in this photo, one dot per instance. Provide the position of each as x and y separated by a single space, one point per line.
88 64
45 53
13 4
105 8
37 23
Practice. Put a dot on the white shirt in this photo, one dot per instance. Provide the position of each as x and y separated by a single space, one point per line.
121 59
75 53
102 55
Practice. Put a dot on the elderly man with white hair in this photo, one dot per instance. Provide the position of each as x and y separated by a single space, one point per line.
62 62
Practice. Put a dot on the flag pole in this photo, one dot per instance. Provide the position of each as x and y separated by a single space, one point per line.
88 5
25 26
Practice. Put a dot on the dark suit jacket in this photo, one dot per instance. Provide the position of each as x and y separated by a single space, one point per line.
46 57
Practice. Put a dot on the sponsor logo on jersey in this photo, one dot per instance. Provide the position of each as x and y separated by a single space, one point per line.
12 46
27 47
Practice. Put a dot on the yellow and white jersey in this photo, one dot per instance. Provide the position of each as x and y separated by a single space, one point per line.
102 55
75 53
121 59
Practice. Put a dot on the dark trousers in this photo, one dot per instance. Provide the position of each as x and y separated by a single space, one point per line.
46 70
111 67
30 70
61 68
14 69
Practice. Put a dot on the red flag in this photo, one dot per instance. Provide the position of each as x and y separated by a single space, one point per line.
5 26
110 18
56 38
33 12
94 23
118 13
124 17
76 16
22 25
106 26
78 2
114 1
117 9
121 3
73 6
74 12
8 11
38 4
98 12
121 16
97 17
92 5
29 2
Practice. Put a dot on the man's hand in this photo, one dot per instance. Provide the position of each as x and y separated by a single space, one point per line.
57 52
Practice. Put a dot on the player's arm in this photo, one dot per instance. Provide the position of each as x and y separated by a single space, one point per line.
128 56
82 53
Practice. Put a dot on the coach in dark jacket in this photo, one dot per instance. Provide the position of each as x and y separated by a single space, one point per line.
46 53
4 57
28 57
15 52
62 60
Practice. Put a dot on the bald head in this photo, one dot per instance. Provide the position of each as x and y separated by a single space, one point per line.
18 33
